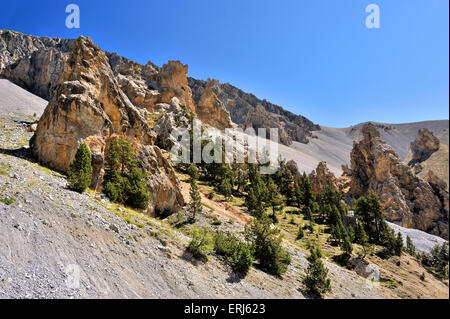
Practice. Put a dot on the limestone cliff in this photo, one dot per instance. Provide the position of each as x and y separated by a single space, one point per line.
89 106
408 200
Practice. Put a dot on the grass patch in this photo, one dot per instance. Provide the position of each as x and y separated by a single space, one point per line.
7 200
152 118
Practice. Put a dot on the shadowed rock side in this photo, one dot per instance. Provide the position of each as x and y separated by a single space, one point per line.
243 111
33 63
423 146
88 106
408 200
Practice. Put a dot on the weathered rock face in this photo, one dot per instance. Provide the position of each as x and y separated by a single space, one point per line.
33 63
424 145
172 82
89 106
260 118
135 80
292 127
322 178
407 199
211 110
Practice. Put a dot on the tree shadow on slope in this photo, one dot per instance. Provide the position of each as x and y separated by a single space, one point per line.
22 153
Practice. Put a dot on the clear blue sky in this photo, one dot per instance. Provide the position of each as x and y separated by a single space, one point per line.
313 57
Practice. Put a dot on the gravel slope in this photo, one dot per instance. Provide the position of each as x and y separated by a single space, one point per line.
423 241
17 100
48 231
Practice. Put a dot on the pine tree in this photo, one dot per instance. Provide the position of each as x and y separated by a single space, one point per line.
124 181
137 194
315 279
274 199
370 212
410 248
195 206
267 249
298 194
361 238
225 188
398 247
347 245
80 173
193 171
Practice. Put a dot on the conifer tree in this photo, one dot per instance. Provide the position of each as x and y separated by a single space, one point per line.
80 173
361 238
267 249
275 199
225 188
195 206
124 181
370 212
316 275
347 245
410 248
398 244
137 194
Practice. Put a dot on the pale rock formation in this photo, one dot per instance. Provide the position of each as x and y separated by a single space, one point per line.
88 106
408 200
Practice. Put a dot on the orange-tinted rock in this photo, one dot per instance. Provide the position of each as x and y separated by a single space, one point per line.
322 178
210 110
407 199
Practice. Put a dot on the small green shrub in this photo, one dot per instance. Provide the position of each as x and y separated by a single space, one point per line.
7 200
266 246
202 243
237 253
300 233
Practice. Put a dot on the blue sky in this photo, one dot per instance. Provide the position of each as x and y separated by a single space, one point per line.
313 57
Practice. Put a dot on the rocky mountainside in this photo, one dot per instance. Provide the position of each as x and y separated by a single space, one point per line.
408 200
46 229
33 63
50 236
429 153
250 112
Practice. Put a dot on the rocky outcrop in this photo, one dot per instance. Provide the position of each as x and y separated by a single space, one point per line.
408 200
89 106
33 63
424 145
211 110
322 178
240 104
260 118
135 80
